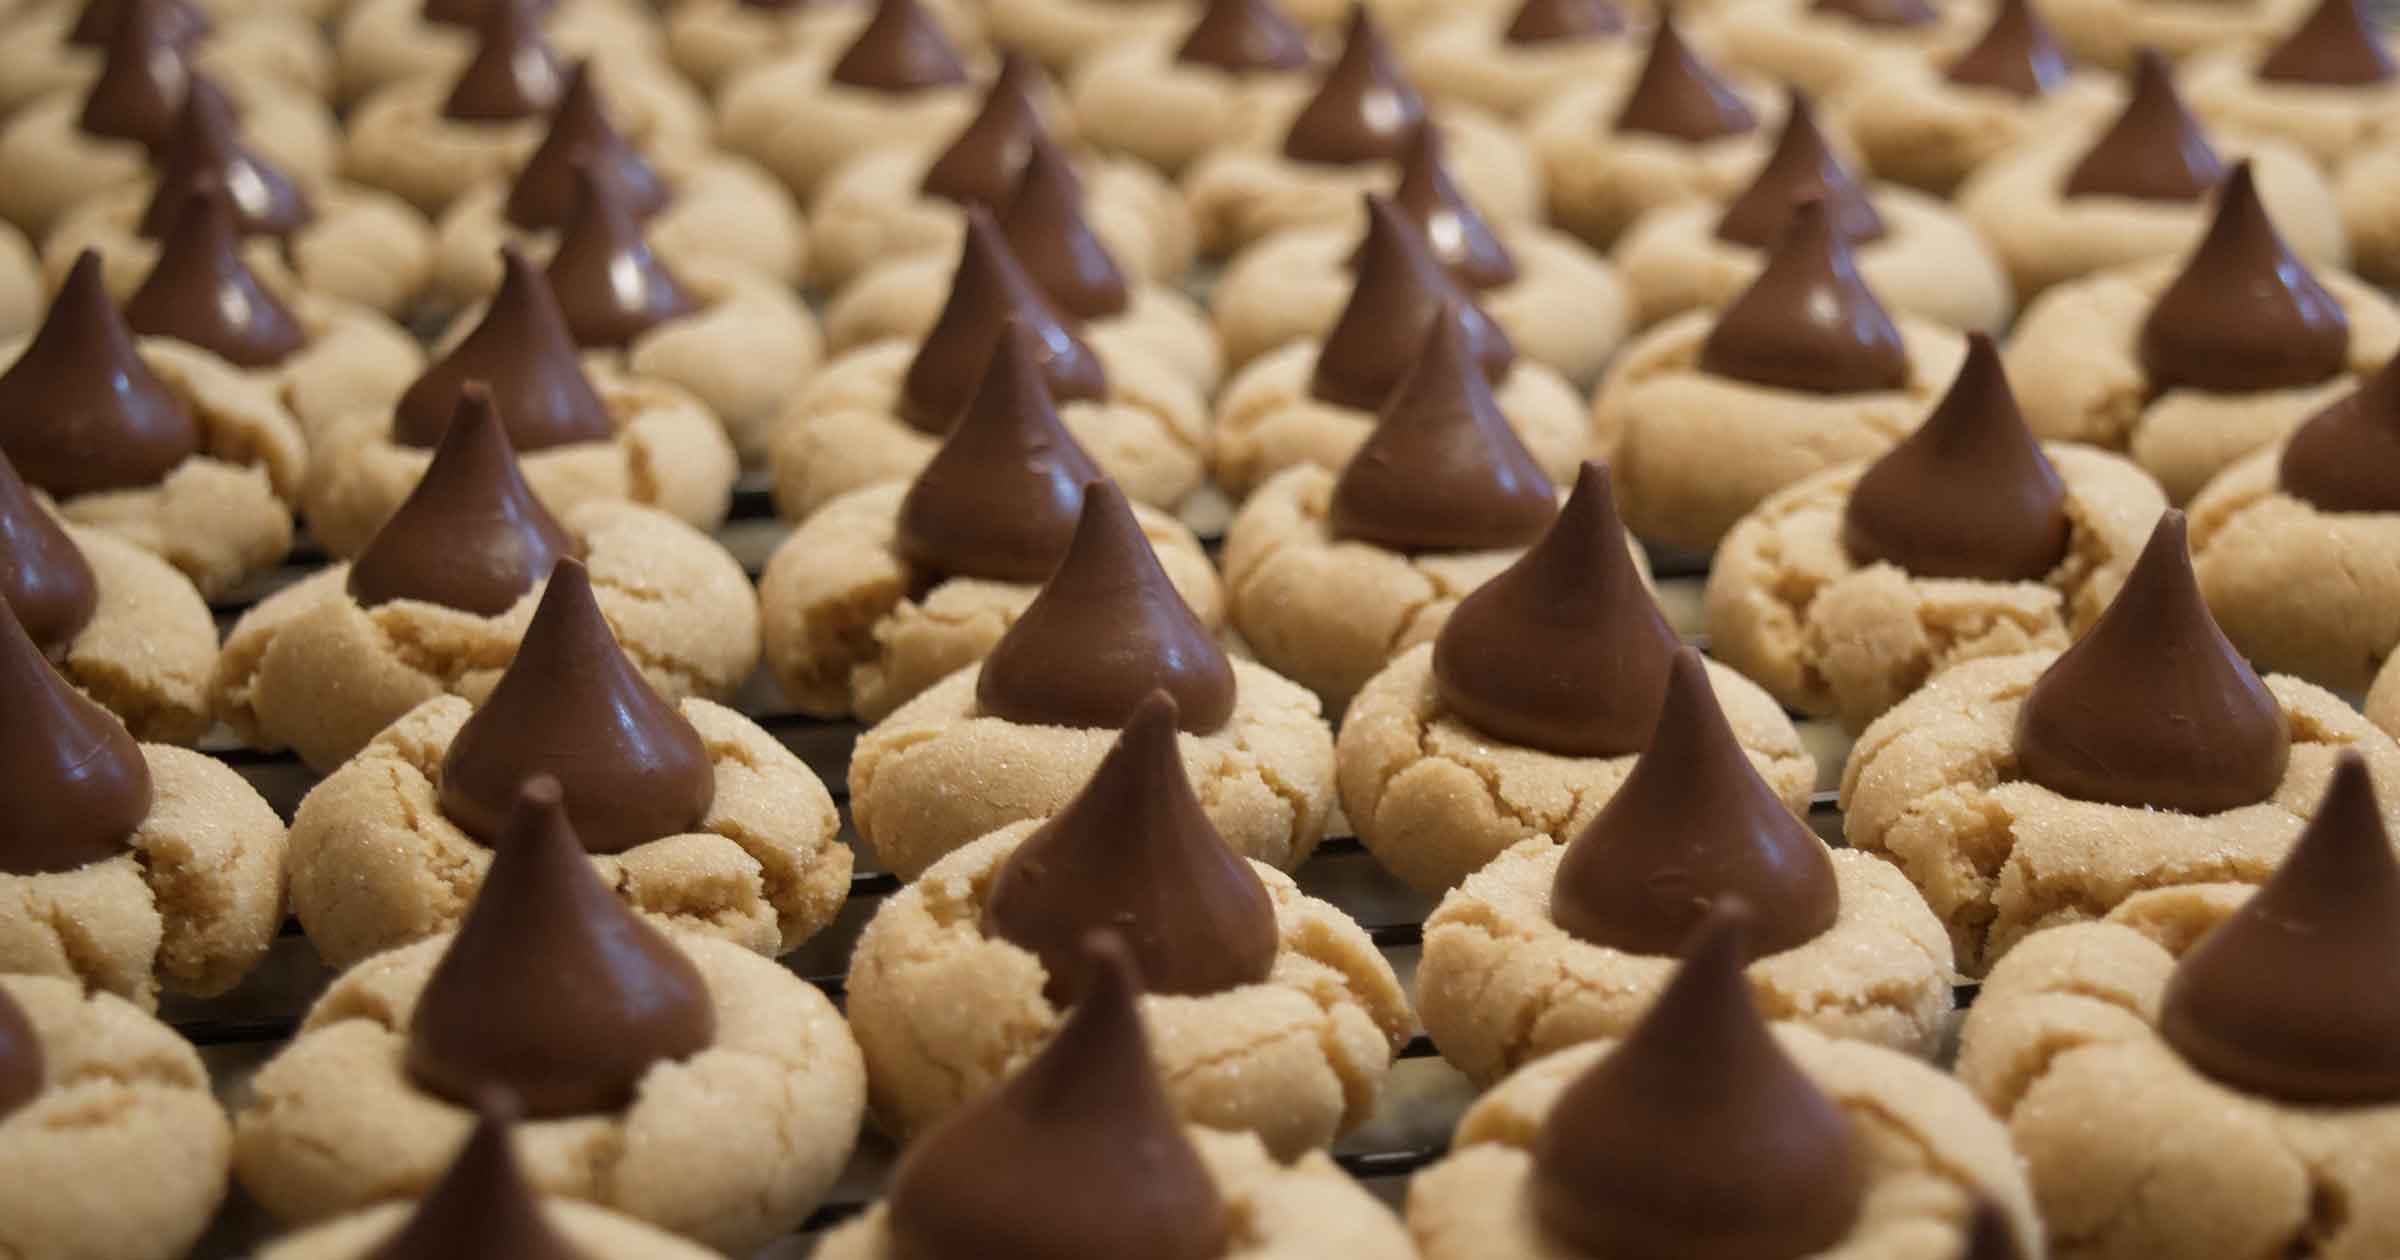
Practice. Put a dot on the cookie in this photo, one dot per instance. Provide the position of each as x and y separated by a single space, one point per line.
47 49
2383 700
2318 90
1230 79
711 41
151 645
2113 35
1819 48
380 43
21 287
1512 59
113 1092
1064 33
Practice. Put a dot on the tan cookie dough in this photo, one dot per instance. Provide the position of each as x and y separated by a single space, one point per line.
1306 1208
1469 58
669 452
2327 123
1791 609
944 1013
790 117
2256 547
270 47
1436 800
1328 613
2369 192
872 212
1929 263
55 166
1267 420
375 863
849 632
379 43
2076 363
594 1233
2108 33
844 431
713 40
1241 194
1500 984
22 292
1693 452
151 644
2383 700
2045 238
1791 41
725 213
1062 34
122 1155
938 772
191 906
1134 97
1599 180
1932 786
731 1148
310 669
399 141
1916 127
1929 1151
2132 1152
364 247
1567 310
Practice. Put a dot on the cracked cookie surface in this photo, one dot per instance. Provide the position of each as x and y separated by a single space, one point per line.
150 647
2253 546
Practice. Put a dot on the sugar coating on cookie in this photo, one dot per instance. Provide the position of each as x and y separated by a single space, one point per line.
2253 543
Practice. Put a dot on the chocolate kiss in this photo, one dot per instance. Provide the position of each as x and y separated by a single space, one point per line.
78 785
1564 21
1802 168
1692 825
44 578
1565 650
1969 494
1886 13
2293 996
514 73
2017 54
989 289
2153 708
1047 232
2338 46
1243 36
2154 151
22 1064
1400 292
1808 323
142 79
2244 314
1453 228
571 707
2347 457
482 1208
1698 1138
546 194
468 13
552 988
471 536
79 410
1990 1235
98 22
1442 470
1365 109
901 49
1000 499
201 292
1679 97
981 166
523 353
207 152
1134 853
1107 630
1079 1154
610 287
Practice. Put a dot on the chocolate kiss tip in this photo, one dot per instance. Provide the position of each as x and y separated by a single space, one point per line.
902 49
2244 314
1808 323
482 1208
2346 458
551 986
1000 497
1107 629
144 76
1399 293
2017 54
989 287
545 194
200 291
79 410
1365 108
2153 707
1802 168
1046 229
1678 96
2154 150
611 287
1244 37
206 152
2292 996
1969 494
523 352
22 1066
1135 852
572 707
2338 45
1648 1152
981 165
1453 228
1693 825
513 73
44 578
1564 650
78 783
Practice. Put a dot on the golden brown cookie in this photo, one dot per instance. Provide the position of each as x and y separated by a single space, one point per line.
2255 545
21 287
1818 49
790 117
1914 125
2328 124
244 42
1468 56
711 41
1137 98
2383 700
2110 33
150 647
379 43
122 1151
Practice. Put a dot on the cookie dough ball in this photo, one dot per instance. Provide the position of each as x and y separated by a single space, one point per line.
1138 98
678 602
792 117
1790 606
731 1147
1818 48
1915 125
122 1153
2111 33
1471 57
2383 701
711 41
1435 799
2368 190
2255 545
380 43
852 629
944 1011
150 647
1934 786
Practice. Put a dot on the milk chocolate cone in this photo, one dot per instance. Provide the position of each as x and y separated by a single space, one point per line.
989 289
1365 109
77 783
1802 168
981 166
206 152
1453 228
97 23
2347 457
2154 151
1244 37
1401 291
22 1063
1808 323
2338 46
2244 314
523 354
44 578
79 410
1564 22
202 293
901 50
611 288
482 1208
514 73
1047 232
546 194
1680 97
143 78
2017 55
